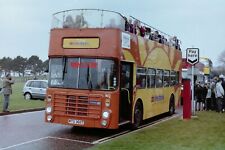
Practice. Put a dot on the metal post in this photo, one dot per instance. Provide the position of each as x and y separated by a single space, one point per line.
192 93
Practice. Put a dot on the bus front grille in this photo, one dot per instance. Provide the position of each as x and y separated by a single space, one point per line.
78 105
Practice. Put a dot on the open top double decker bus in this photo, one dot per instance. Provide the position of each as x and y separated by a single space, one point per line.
103 75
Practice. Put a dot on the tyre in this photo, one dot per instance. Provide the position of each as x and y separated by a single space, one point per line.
172 106
27 96
138 115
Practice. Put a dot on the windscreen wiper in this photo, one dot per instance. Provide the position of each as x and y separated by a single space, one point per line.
89 82
64 67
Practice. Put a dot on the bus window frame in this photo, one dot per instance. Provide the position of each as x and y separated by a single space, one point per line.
174 74
142 74
150 75
117 74
158 75
168 82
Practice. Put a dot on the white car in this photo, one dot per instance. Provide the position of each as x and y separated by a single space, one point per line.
35 89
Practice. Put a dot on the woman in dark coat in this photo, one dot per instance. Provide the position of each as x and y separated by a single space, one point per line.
198 95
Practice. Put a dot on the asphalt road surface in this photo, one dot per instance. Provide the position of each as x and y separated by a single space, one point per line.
28 131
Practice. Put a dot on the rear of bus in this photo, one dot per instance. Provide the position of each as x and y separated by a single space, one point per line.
83 69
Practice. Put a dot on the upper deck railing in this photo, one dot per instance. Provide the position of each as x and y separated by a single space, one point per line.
88 18
97 18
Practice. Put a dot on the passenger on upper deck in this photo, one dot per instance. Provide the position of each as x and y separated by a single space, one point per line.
80 22
135 28
177 46
139 30
68 23
156 36
131 27
148 33
174 42
127 25
112 23
142 31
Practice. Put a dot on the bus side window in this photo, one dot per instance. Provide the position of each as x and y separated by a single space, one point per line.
159 78
151 78
173 78
141 78
166 78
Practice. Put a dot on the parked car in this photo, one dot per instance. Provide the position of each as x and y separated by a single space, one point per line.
35 89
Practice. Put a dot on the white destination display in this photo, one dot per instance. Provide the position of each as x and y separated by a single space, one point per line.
125 40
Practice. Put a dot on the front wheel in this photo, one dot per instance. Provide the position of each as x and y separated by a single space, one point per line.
138 115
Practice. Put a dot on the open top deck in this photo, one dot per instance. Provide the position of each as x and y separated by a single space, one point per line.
88 18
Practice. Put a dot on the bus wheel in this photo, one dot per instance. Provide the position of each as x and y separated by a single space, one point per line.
172 105
138 115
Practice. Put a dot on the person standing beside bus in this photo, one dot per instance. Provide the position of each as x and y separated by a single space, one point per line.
219 95
208 97
213 94
223 85
7 91
198 94
204 95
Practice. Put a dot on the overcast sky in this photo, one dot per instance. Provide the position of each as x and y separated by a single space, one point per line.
25 24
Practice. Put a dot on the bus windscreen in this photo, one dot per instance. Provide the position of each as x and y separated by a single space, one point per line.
83 73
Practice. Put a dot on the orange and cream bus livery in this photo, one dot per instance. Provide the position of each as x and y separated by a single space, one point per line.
102 76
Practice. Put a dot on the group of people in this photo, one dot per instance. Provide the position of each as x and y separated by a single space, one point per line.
79 22
210 96
144 31
134 27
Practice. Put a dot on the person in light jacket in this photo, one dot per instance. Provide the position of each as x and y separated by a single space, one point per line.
219 95
7 91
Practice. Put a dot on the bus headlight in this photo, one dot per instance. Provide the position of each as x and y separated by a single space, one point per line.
48 109
105 114
49 118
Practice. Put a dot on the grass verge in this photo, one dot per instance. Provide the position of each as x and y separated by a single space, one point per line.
17 101
207 132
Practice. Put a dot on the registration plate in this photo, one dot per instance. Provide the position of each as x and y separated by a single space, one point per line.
75 121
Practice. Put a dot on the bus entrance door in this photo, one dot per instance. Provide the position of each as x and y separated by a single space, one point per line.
126 91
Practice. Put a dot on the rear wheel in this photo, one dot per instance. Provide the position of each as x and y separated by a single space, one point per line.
27 96
138 115
172 105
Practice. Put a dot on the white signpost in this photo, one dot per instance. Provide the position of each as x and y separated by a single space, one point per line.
192 56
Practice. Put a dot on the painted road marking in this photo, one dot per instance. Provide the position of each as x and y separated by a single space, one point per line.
71 140
110 137
24 113
48 137
20 144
